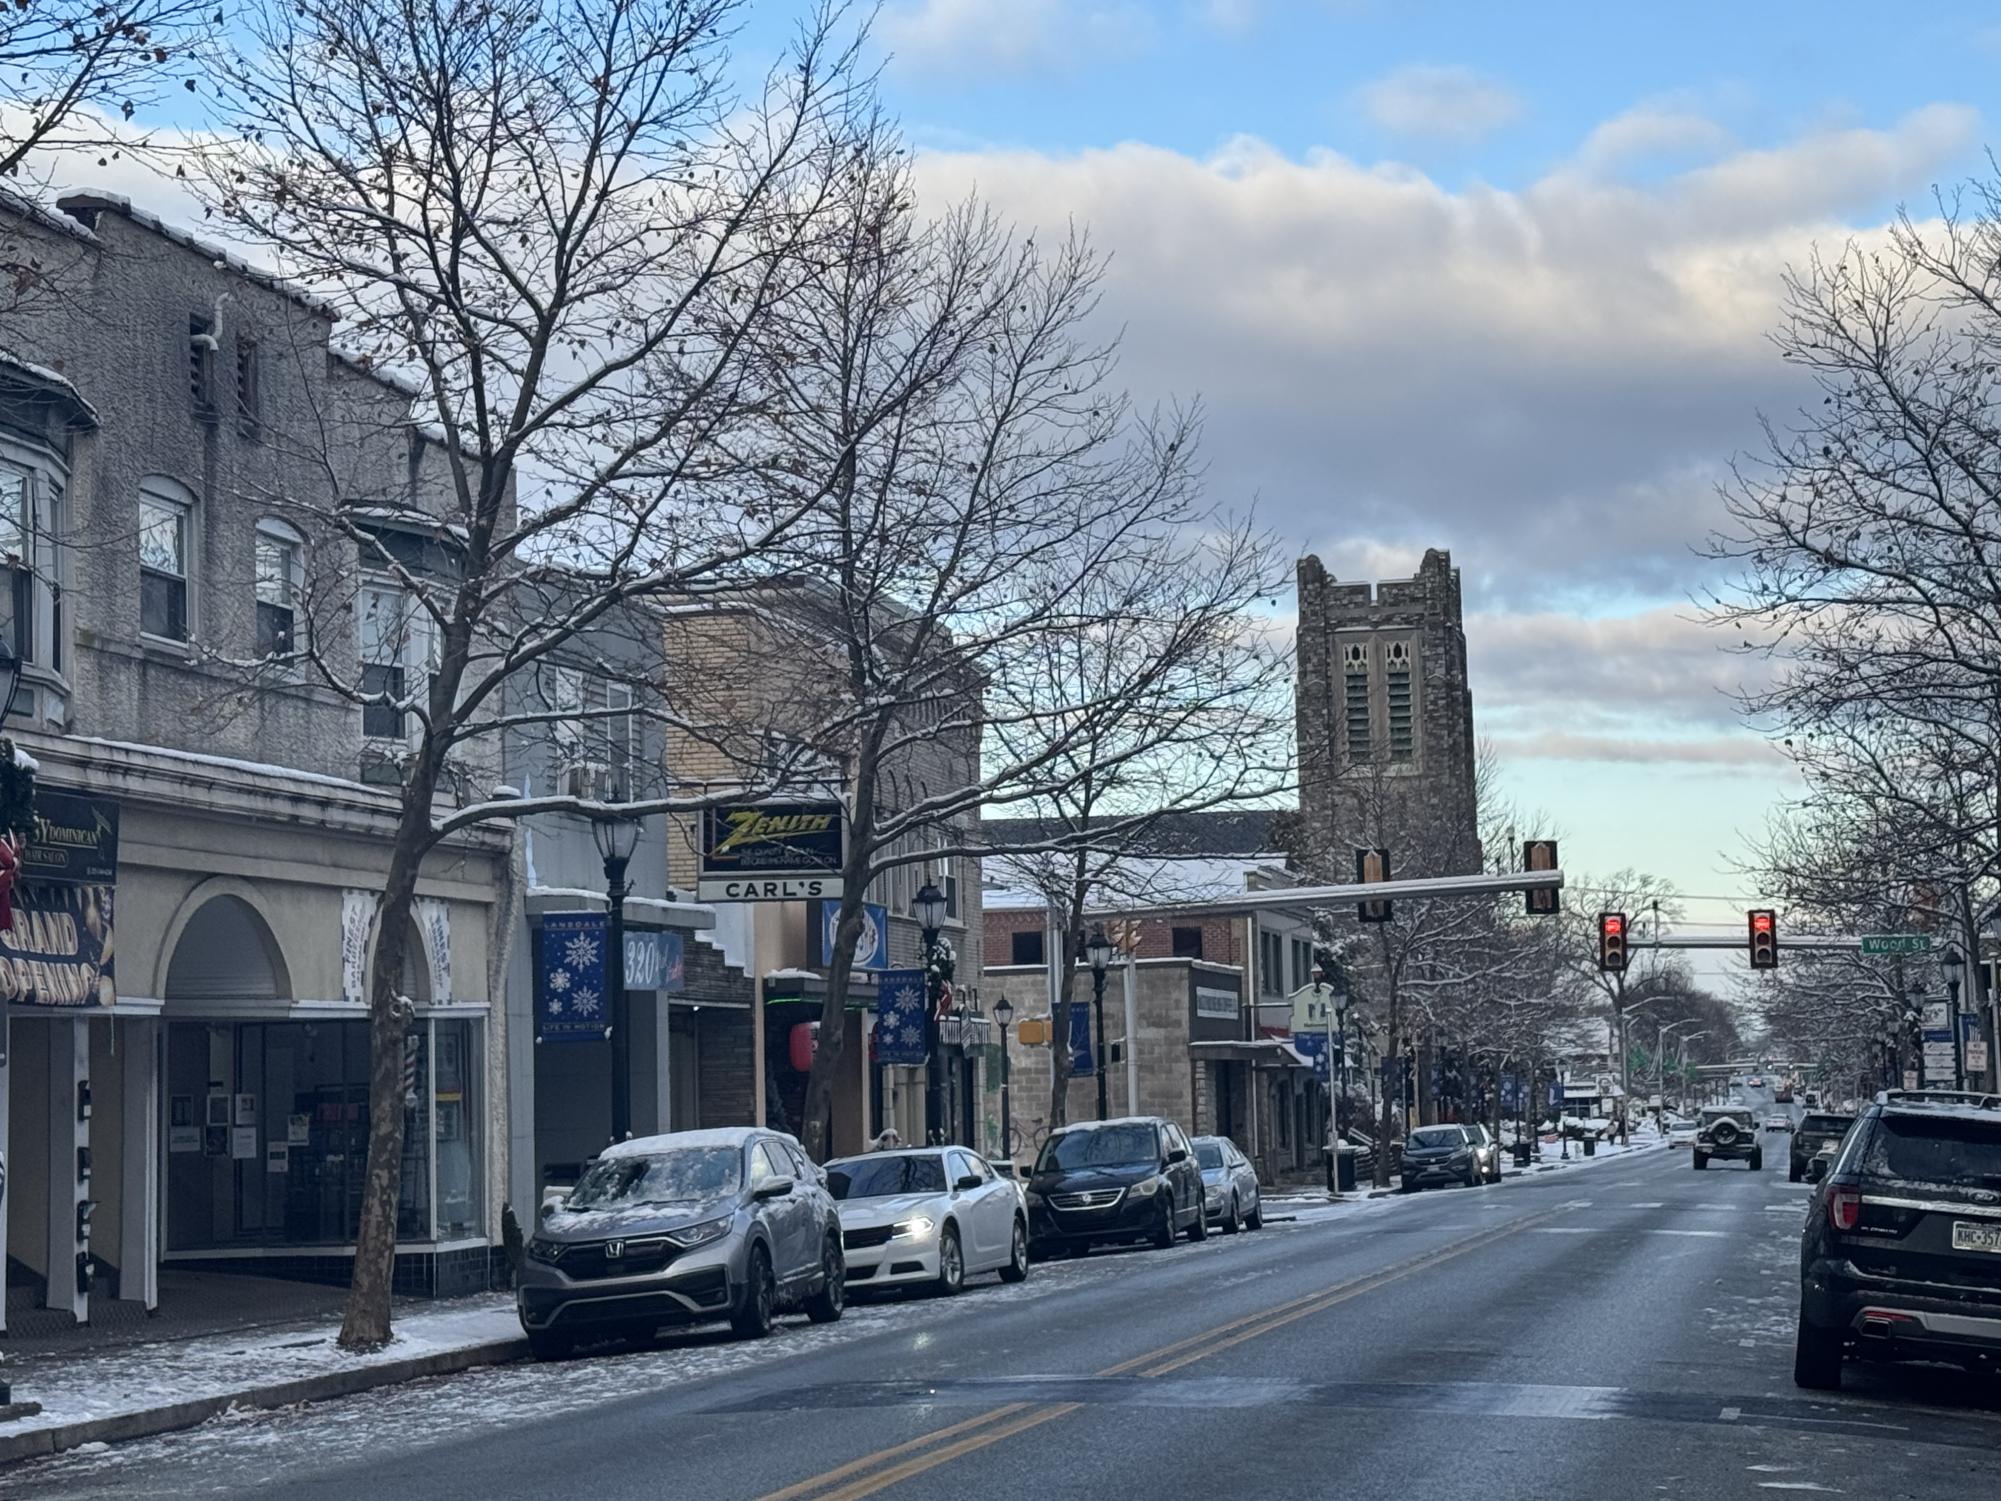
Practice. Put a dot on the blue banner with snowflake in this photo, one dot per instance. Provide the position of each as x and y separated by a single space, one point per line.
569 980
899 1016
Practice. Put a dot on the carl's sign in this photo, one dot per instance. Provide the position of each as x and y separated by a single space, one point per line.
772 852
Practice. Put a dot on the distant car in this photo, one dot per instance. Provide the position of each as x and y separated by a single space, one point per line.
1812 1100
1901 1255
1488 1151
1727 1131
1778 1123
1440 1154
934 1215
1754 1082
1816 1130
1120 1180
1681 1133
1784 1096
1230 1195
684 1228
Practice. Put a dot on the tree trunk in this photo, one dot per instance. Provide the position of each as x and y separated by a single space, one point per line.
813 1132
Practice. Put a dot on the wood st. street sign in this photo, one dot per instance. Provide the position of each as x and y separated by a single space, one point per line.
1896 943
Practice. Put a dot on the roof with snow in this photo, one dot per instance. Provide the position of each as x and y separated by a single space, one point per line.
85 206
16 371
1132 883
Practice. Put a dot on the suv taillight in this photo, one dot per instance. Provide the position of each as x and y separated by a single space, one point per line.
1844 1207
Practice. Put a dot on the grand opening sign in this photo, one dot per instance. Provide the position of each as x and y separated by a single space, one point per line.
772 852
59 951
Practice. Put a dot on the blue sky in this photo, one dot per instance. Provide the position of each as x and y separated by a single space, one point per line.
1485 276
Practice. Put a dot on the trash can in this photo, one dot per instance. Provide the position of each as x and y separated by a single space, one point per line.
1522 1153
1345 1171
1590 1146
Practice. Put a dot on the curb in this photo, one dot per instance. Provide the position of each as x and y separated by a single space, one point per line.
153 1420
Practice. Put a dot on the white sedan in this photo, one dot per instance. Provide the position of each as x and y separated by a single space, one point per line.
1778 1123
1681 1133
932 1215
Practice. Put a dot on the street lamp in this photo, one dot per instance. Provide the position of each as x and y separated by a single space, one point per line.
616 839
1003 1014
930 909
1949 965
1098 951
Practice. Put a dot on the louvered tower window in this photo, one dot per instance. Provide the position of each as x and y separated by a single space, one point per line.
1355 658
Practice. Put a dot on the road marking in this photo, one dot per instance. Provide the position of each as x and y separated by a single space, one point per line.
1568 1229
1707 1234
1731 1414
1654 1204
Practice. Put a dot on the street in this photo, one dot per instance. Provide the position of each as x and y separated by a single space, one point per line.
1623 1329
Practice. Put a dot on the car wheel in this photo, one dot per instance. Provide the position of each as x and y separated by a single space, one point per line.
1255 1220
547 1344
752 1319
1473 1175
1230 1221
1792 1175
951 1262
1163 1233
827 1305
1701 1161
1016 1269
1757 1162
1816 1357
1200 1229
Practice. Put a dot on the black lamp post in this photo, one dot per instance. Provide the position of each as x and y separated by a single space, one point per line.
1949 965
930 907
616 839
1003 1014
1098 951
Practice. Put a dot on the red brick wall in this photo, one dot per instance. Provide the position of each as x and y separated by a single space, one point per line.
1222 937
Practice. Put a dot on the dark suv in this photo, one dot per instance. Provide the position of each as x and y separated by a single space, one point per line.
1121 1180
1441 1154
1728 1131
1901 1259
1815 1131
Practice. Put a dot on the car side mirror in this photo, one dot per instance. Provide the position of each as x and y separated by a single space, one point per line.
1177 1154
772 1188
967 1180
548 1208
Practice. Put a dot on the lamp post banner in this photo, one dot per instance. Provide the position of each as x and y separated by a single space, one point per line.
899 1017
569 978
1083 1064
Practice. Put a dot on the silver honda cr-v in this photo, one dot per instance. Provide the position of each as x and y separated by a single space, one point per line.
676 1229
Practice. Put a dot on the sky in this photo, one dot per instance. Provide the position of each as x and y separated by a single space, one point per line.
1494 278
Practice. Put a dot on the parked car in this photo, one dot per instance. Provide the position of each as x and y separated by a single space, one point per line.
684 1228
935 1215
1229 1184
1487 1151
1439 1154
1119 1180
1727 1131
1681 1133
1778 1123
1816 1130
1901 1256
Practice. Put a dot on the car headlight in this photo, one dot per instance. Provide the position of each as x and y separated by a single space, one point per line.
912 1229
549 1252
690 1236
1483 1153
1146 1186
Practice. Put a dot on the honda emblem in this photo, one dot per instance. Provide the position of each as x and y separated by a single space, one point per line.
613 1249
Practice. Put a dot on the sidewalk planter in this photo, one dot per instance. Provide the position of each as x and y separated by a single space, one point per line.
1590 1146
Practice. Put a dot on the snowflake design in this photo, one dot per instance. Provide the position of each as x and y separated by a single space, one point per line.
581 951
559 980
555 1006
911 1037
585 1002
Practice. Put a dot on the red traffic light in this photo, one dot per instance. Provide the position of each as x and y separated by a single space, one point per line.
1615 924
1764 938
1761 922
1612 941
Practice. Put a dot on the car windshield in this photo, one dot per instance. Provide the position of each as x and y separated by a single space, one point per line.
1436 1136
677 1176
1111 1146
1826 1123
879 1177
1209 1155
1936 1149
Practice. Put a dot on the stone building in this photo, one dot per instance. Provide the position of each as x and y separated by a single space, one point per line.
1385 721
215 819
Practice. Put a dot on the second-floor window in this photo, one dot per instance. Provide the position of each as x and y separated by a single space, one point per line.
165 514
17 550
398 653
280 569
600 742
1186 943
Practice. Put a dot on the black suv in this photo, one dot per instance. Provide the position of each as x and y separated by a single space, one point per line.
1815 1131
1122 1180
1728 1131
1901 1259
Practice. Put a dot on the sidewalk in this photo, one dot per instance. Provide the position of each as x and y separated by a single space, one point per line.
132 1390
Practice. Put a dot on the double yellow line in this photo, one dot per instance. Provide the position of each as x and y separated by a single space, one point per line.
886 1467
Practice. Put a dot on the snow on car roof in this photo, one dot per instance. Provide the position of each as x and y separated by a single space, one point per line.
717 1136
1117 1120
892 1152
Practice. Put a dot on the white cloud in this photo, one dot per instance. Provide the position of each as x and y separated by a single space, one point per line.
1010 36
1448 103
1650 132
1230 15
1715 751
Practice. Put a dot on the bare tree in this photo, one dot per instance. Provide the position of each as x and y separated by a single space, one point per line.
562 239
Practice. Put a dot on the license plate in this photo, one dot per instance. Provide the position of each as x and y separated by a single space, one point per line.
1970 1237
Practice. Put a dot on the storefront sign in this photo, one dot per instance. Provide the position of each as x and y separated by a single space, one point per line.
653 961
569 979
1216 1004
772 852
871 947
58 953
899 1017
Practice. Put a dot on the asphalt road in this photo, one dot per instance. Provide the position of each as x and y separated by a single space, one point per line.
1624 1329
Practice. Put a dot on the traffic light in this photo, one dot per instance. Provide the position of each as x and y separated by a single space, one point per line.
1612 941
1372 866
1764 938
1540 854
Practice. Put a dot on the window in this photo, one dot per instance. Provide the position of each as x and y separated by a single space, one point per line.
1302 962
1355 701
1271 963
951 885
1187 942
599 742
398 651
163 560
280 569
763 1167
17 592
1025 948
201 364
1397 685
248 416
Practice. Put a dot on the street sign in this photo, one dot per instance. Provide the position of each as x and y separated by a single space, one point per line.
1896 943
1976 1056
1910 1078
1937 1018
